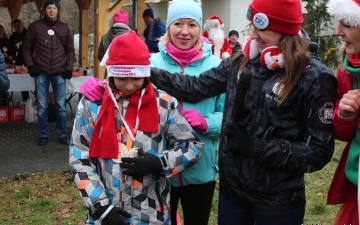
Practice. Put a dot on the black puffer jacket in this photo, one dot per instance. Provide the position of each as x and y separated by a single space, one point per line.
46 52
298 134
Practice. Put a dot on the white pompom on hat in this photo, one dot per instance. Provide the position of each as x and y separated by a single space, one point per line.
347 11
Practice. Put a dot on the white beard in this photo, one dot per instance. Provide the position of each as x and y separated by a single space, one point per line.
217 38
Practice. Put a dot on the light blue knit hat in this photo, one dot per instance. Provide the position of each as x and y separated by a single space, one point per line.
179 9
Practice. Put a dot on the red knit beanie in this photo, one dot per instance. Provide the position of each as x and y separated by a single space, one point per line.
128 56
121 16
283 16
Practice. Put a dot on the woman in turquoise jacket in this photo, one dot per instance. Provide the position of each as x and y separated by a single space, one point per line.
183 50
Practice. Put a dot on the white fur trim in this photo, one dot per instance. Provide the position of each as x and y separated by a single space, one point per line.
128 70
105 57
225 55
268 61
254 51
216 52
346 11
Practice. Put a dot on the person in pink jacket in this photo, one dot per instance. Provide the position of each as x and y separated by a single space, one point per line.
343 189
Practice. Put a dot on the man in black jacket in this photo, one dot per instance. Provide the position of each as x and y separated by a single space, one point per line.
233 41
17 39
49 55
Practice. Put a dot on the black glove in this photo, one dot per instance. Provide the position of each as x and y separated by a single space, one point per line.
141 166
114 217
241 142
67 74
33 71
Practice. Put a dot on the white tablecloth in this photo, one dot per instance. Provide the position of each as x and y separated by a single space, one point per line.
23 82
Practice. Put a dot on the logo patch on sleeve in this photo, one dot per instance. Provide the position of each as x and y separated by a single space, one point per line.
326 112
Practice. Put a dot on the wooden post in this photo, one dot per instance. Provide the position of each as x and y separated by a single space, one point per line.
140 20
100 28
83 6
14 9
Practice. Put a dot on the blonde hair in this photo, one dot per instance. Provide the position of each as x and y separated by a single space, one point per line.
167 38
342 53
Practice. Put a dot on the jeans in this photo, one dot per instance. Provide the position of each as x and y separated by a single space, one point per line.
42 83
233 213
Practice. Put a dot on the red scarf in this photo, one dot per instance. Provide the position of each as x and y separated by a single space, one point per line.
104 142
354 60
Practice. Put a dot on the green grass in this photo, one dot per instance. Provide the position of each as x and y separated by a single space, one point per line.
52 198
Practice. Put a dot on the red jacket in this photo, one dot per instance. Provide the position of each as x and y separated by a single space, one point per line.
344 130
225 50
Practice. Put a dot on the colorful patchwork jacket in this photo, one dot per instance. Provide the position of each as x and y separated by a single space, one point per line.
100 181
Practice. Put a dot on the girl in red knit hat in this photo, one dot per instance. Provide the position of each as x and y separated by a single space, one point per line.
125 148
344 188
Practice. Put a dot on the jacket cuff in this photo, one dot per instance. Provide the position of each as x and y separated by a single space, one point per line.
257 149
102 202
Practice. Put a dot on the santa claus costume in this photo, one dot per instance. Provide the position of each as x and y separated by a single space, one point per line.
214 32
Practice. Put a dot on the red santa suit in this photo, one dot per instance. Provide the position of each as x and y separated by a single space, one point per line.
221 46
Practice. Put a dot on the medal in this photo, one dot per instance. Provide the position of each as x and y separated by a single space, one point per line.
133 153
20 42
51 32
123 152
5 49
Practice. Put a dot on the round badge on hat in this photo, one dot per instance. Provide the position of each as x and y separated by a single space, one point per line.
261 21
51 32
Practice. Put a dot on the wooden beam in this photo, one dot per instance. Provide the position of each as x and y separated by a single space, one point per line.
13 8
83 6
117 6
40 6
140 21
100 28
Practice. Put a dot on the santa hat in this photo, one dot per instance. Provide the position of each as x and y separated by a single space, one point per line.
272 58
127 56
283 16
121 16
212 20
347 11
189 9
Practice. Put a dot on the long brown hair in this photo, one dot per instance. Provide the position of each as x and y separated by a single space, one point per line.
296 58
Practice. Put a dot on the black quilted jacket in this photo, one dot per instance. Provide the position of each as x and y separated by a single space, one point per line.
298 134
46 52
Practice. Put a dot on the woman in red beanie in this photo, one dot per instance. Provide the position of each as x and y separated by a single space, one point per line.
285 129
276 125
344 187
